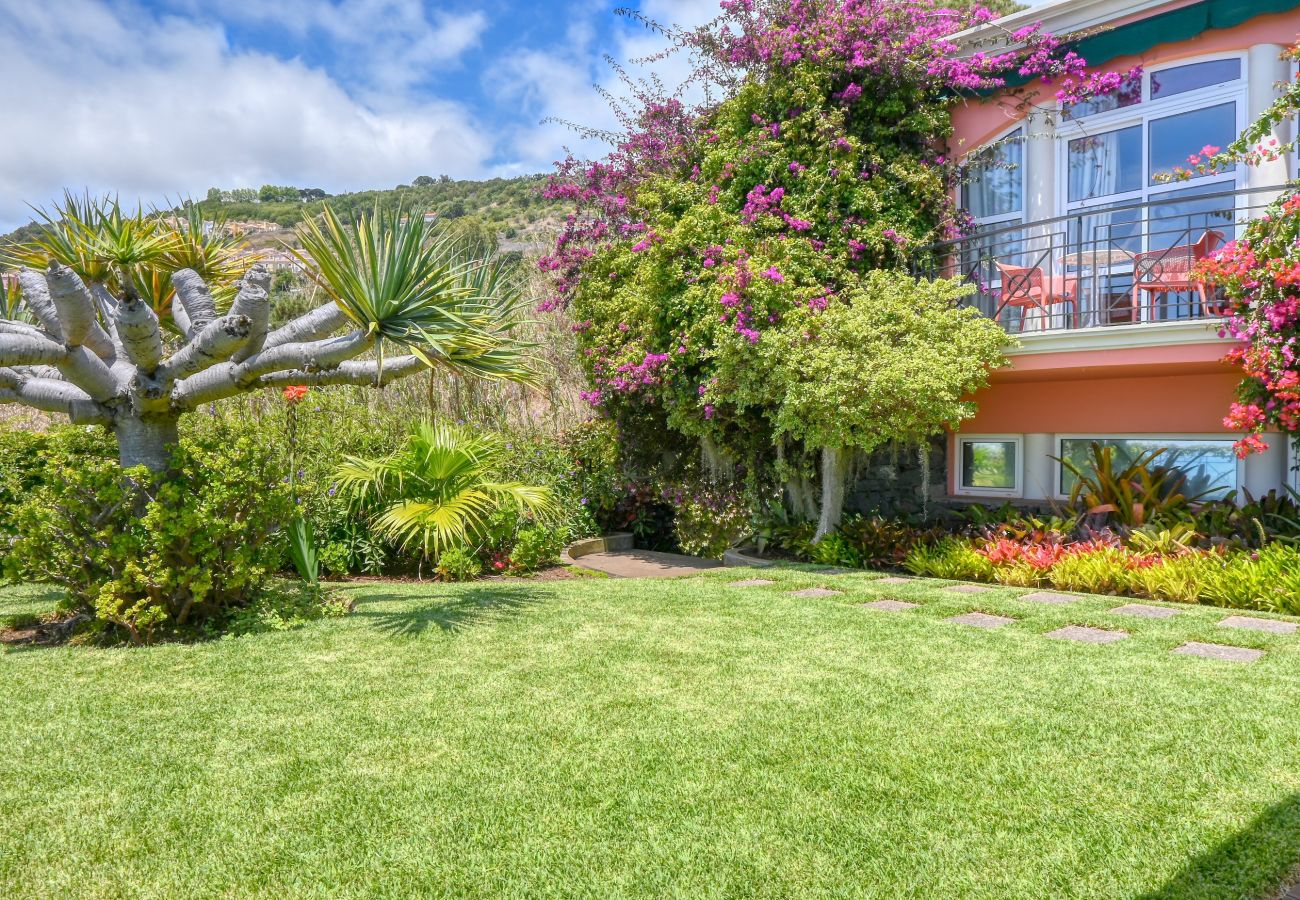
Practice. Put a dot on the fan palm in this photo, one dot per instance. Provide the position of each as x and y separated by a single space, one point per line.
437 491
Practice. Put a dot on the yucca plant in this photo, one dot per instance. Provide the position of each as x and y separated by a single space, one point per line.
1131 494
437 491
103 290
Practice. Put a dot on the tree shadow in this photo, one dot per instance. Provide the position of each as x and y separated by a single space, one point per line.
1255 862
467 608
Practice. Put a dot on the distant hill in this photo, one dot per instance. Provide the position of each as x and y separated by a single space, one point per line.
511 208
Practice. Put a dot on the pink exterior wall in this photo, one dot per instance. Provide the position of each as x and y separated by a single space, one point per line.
975 123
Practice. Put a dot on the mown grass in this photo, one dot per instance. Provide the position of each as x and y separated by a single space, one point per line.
656 738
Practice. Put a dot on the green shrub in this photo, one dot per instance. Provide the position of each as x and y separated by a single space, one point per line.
711 518
1103 570
458 564
1180 579
149 554
951 558
536 547
285 608
22 470
1268 579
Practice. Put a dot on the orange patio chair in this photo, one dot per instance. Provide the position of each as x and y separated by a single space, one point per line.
1026 288
1169 271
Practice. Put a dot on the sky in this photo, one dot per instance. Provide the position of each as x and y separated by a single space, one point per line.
158 100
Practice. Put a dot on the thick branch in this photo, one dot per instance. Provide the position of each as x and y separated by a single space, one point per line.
29 350
52 396
215 343
319 323
228 379
137 329
36 294
78 316
253 301
365 373
88 372
194 298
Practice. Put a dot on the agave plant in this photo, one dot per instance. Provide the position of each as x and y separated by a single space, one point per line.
437 491
99 286
1132 494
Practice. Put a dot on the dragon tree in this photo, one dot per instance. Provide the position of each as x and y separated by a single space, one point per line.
133 321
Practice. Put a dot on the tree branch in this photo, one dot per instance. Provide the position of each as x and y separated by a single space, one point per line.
215 343
78 315
253 301
366 373
228 379
29 350
36 294
319 323
137 329
88 372
194 298
51 396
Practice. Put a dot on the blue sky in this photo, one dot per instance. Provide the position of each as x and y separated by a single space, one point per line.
159 99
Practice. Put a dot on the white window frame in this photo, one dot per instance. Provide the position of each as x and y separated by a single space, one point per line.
1142 114
1239 477
1016 491
1012 217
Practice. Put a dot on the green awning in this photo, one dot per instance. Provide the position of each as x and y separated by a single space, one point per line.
1176 25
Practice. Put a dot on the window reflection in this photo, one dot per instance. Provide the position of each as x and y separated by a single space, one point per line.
1104 164
1180 79
1209 465
1174 138
997 178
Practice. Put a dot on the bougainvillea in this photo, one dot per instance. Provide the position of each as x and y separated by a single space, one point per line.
706 230
1259 275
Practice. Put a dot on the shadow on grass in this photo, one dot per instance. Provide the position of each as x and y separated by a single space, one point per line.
467 608
1254 862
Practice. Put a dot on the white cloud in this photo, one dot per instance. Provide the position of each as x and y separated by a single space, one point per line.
118 100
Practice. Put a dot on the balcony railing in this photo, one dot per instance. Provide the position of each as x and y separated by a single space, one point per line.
1115 265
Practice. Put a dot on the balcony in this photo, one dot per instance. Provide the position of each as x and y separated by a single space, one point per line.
1125 264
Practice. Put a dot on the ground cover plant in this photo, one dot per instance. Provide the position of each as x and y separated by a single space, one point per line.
628 737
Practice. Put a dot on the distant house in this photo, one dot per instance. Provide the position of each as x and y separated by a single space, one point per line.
1082 250
273 260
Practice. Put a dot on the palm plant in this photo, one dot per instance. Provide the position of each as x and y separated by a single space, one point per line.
1135 493
437 491
108 291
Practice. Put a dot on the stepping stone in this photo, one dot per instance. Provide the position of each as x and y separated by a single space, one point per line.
893 579
1219 651
967 588
816 592
1088 635
1048 597
891 605
982 620
752 582
1145 611
1272 626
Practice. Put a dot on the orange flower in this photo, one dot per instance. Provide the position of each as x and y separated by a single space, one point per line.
294 392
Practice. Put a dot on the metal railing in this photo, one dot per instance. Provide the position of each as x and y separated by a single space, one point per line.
1122 264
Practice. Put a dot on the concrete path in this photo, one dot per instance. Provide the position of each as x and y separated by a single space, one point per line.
644 564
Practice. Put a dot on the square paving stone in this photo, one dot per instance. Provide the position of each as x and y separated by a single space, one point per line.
967 588
1272 626
1088 635
753 582
1048 597
1145 611
1219 651
816 592
893 579
891 605
982 620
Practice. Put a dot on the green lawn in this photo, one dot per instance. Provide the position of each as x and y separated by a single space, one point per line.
651 738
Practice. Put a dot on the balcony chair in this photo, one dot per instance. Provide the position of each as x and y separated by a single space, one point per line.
1169 271
1026 288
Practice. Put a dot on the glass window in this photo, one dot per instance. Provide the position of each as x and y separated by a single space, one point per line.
1182 216
988 465
1104 164
1174 138
1180 79
1128 95
1210 465
997 177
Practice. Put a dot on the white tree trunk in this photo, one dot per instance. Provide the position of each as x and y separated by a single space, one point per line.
835 470
145 442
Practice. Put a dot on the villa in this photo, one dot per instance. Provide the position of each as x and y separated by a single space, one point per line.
1083 250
